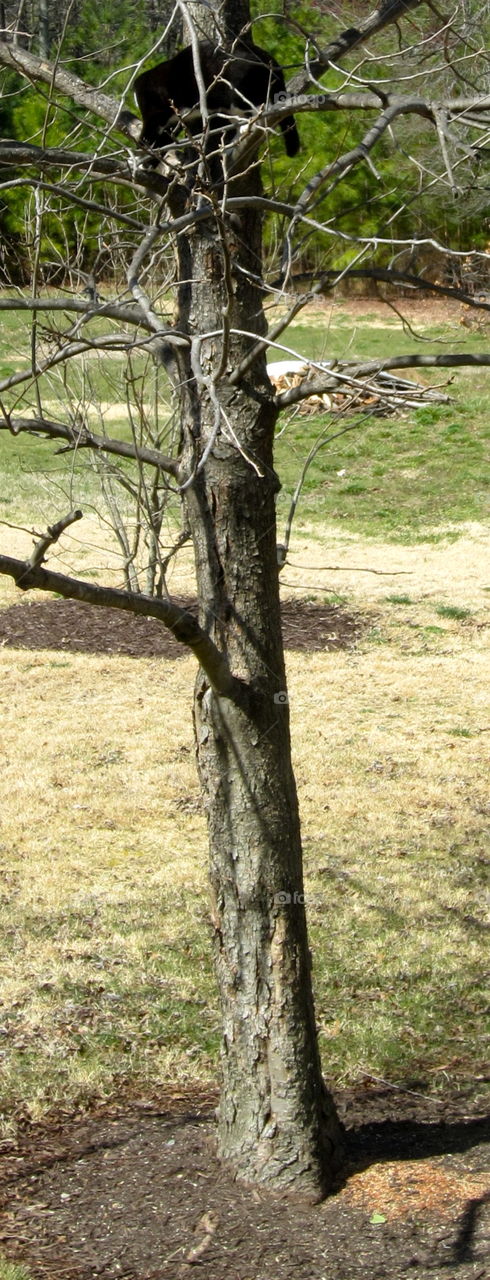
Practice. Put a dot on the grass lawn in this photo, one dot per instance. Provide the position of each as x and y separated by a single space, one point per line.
107 980
13 1271
399 477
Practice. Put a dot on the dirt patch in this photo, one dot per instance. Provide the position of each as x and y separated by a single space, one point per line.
421 312
138 1193
75 627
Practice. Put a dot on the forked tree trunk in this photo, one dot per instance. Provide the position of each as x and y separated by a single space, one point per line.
277 1123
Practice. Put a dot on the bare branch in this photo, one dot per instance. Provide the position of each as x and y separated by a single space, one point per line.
324 439
23 154
387 13
40 70
51 536
152 320
82 202
180 622
109 342
126 314
349 370
390 275
357 154
83 438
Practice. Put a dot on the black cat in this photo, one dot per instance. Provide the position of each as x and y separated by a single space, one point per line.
236 83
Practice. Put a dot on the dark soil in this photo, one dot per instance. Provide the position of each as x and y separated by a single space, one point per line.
67 624
136 1192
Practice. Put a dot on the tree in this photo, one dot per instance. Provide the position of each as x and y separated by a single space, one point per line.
277 1122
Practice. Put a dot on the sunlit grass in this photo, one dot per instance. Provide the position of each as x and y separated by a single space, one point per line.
398 478
107 965
402 478
107 979
13 1270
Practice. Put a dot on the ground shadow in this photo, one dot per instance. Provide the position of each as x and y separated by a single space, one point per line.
415 1140
463 1245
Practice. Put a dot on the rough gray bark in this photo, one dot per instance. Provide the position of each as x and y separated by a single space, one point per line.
277 1123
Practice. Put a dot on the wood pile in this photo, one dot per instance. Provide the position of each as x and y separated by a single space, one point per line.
381 393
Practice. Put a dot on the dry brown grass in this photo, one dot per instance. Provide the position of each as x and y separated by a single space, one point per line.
455 568
106 968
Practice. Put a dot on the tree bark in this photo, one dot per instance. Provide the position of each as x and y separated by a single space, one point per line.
277 1123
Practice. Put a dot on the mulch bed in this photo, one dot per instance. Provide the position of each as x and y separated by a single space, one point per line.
81 628
135 1192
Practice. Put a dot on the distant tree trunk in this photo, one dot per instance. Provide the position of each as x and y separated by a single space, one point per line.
44 34
277 1122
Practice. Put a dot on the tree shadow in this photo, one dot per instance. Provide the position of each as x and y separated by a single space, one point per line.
463 1245
414 1139
418 1139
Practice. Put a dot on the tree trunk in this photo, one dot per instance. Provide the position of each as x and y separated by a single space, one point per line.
43 36
277 1123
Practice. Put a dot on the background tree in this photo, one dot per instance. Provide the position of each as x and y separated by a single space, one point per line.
277 1122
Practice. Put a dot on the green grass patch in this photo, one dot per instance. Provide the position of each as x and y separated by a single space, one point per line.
398 599
400 478
340 336
411 477
13 1270
454 612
